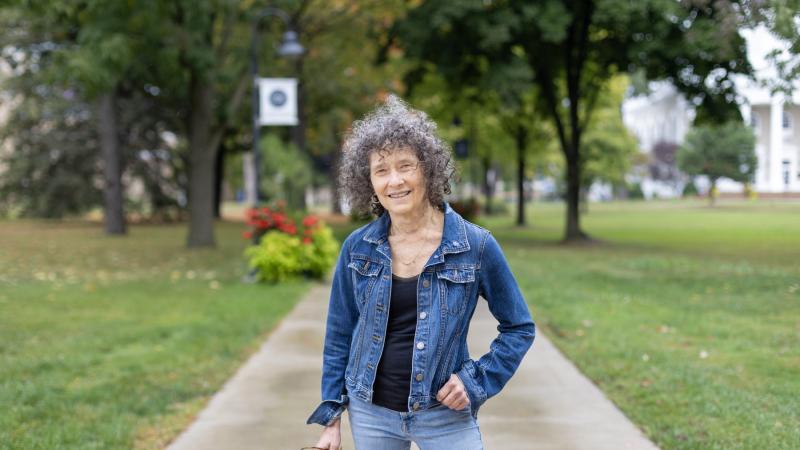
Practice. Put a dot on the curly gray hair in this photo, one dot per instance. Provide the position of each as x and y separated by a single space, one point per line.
391 126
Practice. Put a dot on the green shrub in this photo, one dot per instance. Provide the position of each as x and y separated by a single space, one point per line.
282 253
320 254
277 256
689 190
635 191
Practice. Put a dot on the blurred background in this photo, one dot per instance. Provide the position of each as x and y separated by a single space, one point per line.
638 160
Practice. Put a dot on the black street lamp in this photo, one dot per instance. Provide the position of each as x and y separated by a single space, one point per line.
290 47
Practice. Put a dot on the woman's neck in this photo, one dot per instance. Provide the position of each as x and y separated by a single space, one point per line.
416 221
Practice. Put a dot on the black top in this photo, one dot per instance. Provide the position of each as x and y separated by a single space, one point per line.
393 377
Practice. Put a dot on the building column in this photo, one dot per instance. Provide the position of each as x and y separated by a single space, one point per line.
775 150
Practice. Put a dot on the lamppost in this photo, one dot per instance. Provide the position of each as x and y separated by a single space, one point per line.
290 48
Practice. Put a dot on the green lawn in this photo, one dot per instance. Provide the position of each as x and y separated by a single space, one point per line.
687 317
115 343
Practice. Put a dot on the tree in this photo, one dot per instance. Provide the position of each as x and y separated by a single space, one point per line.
82 108
574 47
782 18
501 91
719 151
609 149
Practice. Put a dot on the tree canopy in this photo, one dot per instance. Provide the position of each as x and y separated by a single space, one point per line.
719 151
571 49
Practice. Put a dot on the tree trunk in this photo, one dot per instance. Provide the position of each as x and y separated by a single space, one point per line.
488 185
114 218
219 170
202 157
573 231
575 54
521 140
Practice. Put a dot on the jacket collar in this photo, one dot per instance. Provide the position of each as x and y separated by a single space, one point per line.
454 235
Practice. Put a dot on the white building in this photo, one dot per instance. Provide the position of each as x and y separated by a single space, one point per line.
665 116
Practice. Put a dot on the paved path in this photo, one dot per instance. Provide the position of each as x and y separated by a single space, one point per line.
547 405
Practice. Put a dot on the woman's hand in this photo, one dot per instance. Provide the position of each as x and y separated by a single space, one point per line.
453 394
331 437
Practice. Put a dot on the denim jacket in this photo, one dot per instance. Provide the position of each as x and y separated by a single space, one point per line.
468 263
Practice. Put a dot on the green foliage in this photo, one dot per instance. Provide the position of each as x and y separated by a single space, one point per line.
719 151
277 257
572 49
285 171
51 168
635 191
608 146
63 55
320 254
280 256
689 190
782 20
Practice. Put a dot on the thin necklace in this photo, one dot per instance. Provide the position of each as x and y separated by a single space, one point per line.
421 248
415 257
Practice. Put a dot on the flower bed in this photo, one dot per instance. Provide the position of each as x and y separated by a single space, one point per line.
282 250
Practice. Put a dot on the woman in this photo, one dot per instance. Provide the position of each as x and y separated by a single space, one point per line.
404 291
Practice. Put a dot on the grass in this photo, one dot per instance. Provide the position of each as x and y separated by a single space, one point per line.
117 342
687 317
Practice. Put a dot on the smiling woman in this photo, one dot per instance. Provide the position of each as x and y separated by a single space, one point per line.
396 181
403 294
394 126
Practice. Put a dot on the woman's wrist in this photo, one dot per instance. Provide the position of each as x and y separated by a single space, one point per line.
336 423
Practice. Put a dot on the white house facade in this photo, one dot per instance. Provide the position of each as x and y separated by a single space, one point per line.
775 122
661 117
665 116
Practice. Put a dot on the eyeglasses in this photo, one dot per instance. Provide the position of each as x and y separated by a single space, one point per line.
403 168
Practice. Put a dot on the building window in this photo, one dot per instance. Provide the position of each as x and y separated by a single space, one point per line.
787 120
754 120
786 172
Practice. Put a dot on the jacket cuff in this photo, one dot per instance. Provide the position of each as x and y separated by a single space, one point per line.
469 376
328 411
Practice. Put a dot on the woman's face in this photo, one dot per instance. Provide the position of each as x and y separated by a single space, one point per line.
398 180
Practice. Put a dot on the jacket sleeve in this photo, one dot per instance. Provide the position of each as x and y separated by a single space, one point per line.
486 377
341 322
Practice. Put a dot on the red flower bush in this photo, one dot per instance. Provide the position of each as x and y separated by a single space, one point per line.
264 219
282 249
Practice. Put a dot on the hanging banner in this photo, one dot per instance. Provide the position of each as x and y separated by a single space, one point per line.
278 101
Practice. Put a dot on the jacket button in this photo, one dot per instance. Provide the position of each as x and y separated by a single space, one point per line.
420 345
415 406
423 315
419 377
426 283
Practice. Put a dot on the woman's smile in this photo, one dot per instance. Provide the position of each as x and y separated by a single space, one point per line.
398 195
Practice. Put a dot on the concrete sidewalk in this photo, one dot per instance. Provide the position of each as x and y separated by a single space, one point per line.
548 404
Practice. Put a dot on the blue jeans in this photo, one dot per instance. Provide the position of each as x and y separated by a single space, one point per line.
438 428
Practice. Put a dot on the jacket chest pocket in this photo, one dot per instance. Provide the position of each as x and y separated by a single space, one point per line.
365 276
455 286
